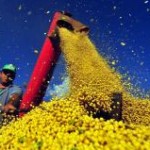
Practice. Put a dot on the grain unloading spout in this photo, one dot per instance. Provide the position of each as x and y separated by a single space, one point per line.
65 20
47 59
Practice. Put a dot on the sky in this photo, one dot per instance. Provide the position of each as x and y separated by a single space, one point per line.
118 28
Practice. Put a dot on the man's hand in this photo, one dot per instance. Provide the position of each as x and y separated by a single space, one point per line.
8 108
12 105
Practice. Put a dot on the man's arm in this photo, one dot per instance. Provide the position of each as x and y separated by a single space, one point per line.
12 104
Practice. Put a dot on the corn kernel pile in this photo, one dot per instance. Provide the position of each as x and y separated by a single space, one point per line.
65 124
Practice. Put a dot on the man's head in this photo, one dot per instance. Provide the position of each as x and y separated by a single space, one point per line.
8 73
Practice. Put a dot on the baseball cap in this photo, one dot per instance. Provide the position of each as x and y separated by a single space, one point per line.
10 67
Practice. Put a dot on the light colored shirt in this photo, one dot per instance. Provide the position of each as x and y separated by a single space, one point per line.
5 94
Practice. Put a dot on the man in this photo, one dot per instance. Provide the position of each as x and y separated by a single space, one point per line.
10 94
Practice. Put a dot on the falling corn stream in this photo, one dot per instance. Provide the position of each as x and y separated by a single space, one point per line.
68 123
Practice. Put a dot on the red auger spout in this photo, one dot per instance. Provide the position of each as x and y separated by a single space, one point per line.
47 59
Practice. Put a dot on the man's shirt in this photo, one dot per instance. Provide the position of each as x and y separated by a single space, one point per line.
1 90
5 94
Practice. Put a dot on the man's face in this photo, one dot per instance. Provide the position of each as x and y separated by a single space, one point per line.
6 76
